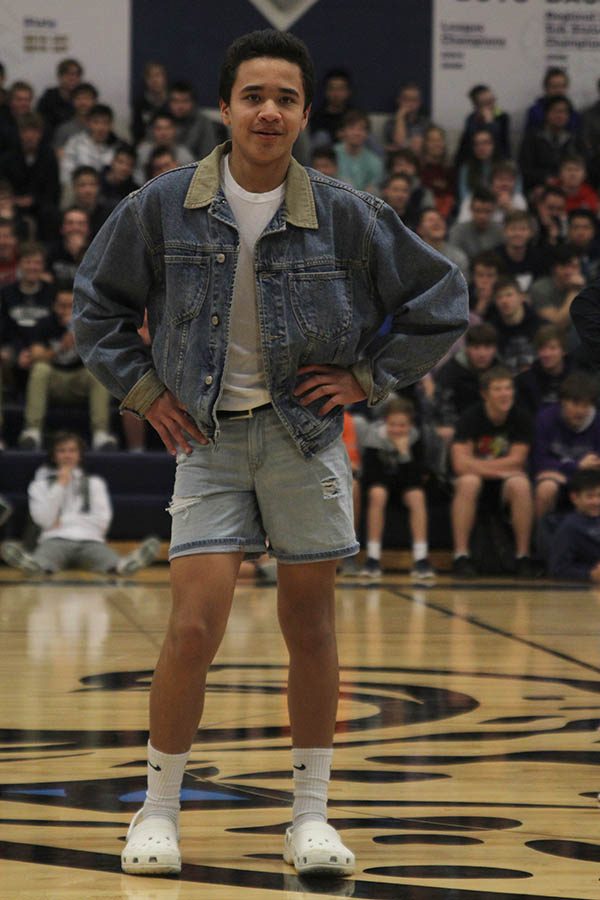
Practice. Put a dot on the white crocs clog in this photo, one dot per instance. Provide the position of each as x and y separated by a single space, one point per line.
315 848
152 847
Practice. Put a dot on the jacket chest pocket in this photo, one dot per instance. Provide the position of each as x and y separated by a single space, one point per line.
186 282
322 304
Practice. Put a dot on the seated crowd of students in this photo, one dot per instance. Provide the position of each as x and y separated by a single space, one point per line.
508 419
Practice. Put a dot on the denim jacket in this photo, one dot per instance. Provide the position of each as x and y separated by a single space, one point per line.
331 265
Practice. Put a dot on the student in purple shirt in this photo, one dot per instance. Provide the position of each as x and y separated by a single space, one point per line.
567 439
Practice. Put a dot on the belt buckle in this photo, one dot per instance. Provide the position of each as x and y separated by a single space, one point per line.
243 415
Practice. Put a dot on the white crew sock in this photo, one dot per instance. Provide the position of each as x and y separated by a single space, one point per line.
165 774
312 767
374 549
419 549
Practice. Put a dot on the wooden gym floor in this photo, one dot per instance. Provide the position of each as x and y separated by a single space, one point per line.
467 749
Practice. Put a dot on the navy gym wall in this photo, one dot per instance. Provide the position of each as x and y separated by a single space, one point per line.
383 43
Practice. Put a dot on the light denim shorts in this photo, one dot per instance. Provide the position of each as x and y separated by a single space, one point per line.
255 491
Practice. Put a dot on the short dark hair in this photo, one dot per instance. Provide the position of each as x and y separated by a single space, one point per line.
182 87
549 102
582 213
584 480
487 258
84 170
482 334
85 87
396 176
563 254
580 387
101 109
547 333
163 114
506 282
483 194
354 116
496 373
273 44
324 152
551 72
125 149
66 64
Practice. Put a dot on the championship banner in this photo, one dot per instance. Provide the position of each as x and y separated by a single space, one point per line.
507 45
35 36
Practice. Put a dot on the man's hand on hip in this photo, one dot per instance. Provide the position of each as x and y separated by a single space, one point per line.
170 418
337 384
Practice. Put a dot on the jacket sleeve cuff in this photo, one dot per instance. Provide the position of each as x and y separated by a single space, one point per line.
143 394
362 372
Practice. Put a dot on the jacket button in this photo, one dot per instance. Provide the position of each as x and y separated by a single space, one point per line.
208 379
220 257
214 320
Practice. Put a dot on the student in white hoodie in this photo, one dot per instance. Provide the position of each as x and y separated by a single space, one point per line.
73 511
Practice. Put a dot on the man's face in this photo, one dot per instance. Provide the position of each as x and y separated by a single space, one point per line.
355 135
156 79
86 190
32 267
410 99
181 104
163 163
8 243
517 234
557 116
325 166
553 205
499 395
20 102
565 273
337 92
434 144
572 175
581 231
432 227
576 412
75 222
83 102
122 166
99 128
551 356
557 85
265 111
481 213
483 145
63 307
587 502
480 356
163 132
30 139
70 78
484 278
67 453
397 194
485 100
504 183
508 302
397 425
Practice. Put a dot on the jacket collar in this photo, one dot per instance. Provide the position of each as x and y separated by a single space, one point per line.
299 200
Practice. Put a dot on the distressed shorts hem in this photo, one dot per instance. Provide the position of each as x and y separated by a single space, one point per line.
317 556
227 545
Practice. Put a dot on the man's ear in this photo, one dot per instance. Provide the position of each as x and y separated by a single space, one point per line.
224 108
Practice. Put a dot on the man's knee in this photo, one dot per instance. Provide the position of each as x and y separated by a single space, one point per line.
467 486
517 487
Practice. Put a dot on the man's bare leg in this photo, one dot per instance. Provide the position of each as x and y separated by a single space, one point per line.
202 588
306 604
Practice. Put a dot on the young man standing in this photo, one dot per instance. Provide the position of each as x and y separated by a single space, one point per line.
265 285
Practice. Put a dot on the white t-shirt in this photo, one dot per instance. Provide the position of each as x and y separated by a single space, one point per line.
244 380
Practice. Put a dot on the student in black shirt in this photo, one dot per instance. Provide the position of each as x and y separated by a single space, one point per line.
575 547
489 459
516 325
